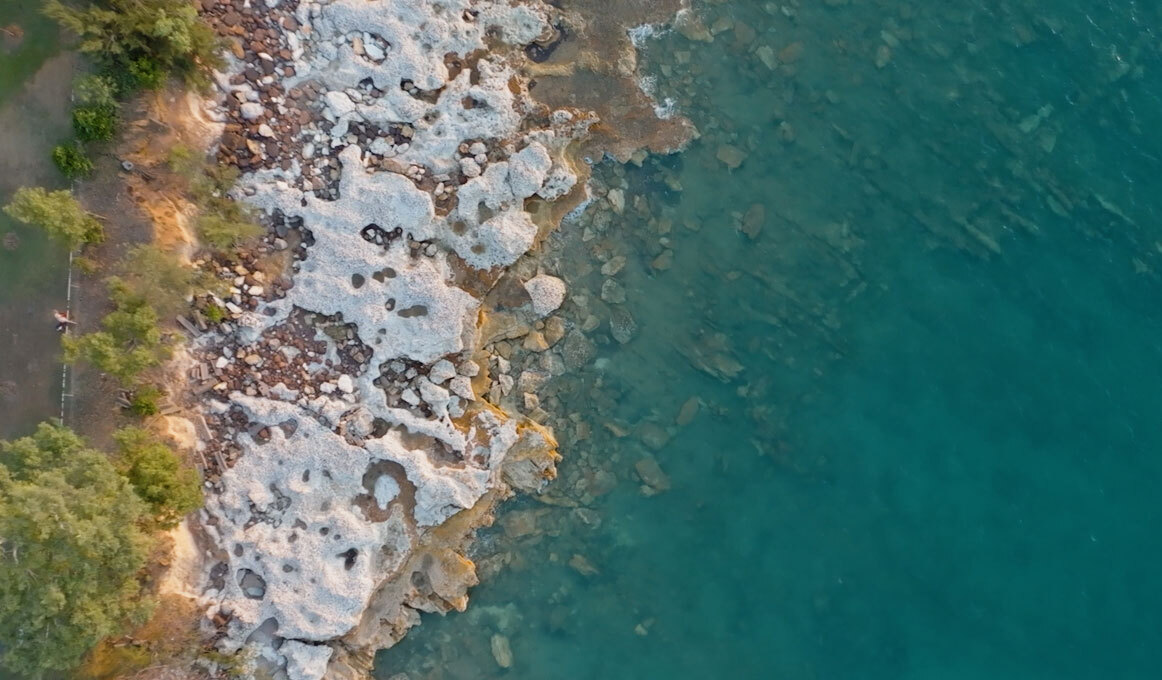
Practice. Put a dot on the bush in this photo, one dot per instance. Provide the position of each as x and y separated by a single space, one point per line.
222 222
224 231
95 115
72 160
94 123
95 90
146 401
141 42
58 213
214 313
157 475
71 551
160 278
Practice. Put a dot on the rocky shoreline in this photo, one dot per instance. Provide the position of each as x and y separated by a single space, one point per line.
373 394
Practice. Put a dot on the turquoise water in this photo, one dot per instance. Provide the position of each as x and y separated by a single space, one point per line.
940 455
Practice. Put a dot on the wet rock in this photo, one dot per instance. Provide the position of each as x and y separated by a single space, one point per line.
617 200
622 325
535 342
612 292
554 330
578 350
731 156
688 412
653 435
583 566
652 475
613 266
501 651
752 222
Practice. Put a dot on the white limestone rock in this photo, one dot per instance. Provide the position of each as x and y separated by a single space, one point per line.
441 372
305 662
547 293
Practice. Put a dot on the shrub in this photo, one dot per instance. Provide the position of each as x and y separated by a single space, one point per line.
171 489
146 401
71 160
70 554
160 278
222 231
94 123
145 73
222 222
214 313
95 90
58 213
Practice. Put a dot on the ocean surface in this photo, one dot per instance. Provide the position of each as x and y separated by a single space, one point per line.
901 365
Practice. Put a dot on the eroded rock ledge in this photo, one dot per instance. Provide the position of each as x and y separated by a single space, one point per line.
358 429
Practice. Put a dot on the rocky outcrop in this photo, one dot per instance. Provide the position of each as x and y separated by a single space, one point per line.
359 475
358 428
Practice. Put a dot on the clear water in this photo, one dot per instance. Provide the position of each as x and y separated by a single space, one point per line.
941 456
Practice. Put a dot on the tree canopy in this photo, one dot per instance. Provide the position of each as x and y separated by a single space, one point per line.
70 551
141 41
157 475
131 340
58 213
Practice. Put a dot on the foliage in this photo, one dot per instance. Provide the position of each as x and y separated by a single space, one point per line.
94 123
171 637
222 222
224 230
95 90
131 340
146 401
58 213
95 115
214 313
157 475
71 160
86 265
141 42
69 553
159 278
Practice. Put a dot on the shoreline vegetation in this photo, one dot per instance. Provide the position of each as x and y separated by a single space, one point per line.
249 318
85 530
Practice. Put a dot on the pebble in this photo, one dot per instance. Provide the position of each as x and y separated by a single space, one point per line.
251 110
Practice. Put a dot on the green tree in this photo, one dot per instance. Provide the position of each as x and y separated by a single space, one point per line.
171 489
70 551
58 213
131 341
142 41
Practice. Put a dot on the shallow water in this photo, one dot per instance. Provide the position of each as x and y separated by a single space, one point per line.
34 103
939 455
